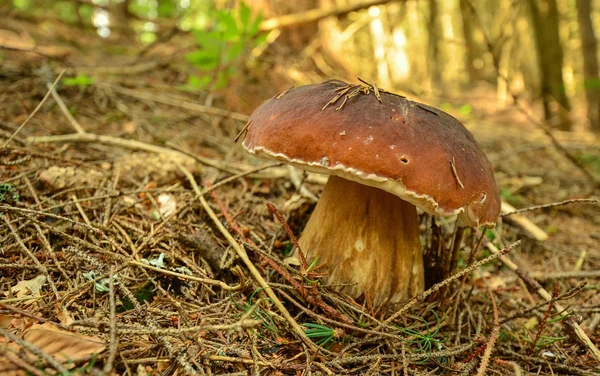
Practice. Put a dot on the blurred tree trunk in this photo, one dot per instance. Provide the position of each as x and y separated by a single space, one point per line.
470 45
121 19
544 14
380 40
589 49
433 62
295 37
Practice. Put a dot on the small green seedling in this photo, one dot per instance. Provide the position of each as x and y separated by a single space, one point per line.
81 80
322 334
258 313
426 341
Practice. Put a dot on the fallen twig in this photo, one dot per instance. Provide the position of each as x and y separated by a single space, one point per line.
552 205
493 337
448 280
581 335
36 109
244 256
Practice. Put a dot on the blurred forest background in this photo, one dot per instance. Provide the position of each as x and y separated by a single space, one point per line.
479 55
140 85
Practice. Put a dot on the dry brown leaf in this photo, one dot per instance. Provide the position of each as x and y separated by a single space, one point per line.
63 345
64 316
9 368
5 321
30 287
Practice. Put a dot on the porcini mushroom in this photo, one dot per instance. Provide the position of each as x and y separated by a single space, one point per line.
385 155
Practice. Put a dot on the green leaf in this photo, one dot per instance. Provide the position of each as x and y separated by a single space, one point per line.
245 14
165 8
206 60
228 26
465 110
235 50
197 83
256 25
80 80
262 38
222 79
207 39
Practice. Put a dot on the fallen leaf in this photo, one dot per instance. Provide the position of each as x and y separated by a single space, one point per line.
63 345
30 287
5 321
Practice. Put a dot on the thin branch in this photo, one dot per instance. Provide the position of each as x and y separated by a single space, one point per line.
64 109
36 109
313 15
176 102
244 256
493 338
574 326
552 205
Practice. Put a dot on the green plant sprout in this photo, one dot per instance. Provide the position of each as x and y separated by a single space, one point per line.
426 341
324 334
222 46
543 342
258 313
310 275
81 80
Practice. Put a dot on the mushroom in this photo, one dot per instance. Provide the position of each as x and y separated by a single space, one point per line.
385 156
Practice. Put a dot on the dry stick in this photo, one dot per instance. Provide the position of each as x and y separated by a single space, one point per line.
244 256
448 280
565 275
181 358
505 363
14 358
113 324
337 323
35 350
238 176
29 254
552 205
493 337
102 139
176 102
207 281
314 299
279 216
52 254
36 109
544 322
64 109
567 295
531 228
569 370
313 15
583 337
241 324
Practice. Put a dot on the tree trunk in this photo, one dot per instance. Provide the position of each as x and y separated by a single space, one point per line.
589 48
434 50
470 45
544 14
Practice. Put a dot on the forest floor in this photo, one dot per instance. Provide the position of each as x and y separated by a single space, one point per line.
127 215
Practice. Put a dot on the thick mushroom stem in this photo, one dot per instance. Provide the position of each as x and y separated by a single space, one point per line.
368 240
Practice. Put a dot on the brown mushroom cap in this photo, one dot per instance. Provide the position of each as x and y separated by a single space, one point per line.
419 153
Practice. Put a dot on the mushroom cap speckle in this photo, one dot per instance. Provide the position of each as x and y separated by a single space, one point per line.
417 152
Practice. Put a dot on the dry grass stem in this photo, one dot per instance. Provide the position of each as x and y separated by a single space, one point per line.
16 132
575 327
241 252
